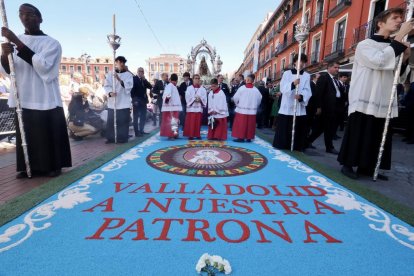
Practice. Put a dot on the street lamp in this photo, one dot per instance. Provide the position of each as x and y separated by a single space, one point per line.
86 58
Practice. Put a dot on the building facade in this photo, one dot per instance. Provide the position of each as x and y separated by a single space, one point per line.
91 69
165 63
336 27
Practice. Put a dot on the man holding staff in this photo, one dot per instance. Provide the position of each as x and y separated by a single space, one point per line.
36 62
370 93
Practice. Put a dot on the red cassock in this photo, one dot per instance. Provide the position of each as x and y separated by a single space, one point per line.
192 125
244 126
166 123
220 131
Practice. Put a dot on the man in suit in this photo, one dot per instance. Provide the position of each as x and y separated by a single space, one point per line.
159 90
328 100
223 86
139 101
269 104
343 81
311 107
181 90
239 82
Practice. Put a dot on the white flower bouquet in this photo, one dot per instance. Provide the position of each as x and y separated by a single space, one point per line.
213 265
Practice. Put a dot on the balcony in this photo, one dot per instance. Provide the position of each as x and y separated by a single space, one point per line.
316 20
343 4
315 59
364 31
335 50
287 43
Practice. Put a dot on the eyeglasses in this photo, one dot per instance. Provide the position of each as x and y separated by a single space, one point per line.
196 78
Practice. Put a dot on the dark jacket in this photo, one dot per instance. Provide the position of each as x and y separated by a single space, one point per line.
156 91
326 95
139 89
182 88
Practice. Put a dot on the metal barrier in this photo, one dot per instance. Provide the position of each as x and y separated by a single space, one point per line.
7 120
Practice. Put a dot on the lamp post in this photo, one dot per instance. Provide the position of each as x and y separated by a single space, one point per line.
86 58
181 69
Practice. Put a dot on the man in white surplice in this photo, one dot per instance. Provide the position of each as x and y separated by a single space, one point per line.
370 93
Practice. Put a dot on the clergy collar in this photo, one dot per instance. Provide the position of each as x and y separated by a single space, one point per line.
294 71
39 32
196 85
249 85
217 90
380 38
120 71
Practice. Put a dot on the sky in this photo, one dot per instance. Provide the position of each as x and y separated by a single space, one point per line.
82 26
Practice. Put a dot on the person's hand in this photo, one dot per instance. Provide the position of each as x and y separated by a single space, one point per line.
112 94
296 82
7 33
405 28
297 97
7 48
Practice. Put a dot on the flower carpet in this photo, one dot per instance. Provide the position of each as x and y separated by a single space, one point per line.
161 205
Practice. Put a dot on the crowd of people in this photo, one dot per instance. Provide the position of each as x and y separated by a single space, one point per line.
313 104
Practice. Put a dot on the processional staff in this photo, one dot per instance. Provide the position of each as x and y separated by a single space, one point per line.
114 41
16 96
302 32
397 72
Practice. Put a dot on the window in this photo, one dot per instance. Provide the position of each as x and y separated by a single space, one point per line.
96 68
162 67
152 67
63 68
339 38
316 44
79 68
88 69
291 56
283 65
106 69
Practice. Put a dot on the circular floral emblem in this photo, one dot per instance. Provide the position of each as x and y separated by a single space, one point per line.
206 159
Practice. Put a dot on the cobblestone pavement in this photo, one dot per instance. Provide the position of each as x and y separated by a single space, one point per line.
82 152
399 187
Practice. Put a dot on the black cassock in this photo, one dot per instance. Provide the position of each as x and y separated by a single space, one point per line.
47 141
361 143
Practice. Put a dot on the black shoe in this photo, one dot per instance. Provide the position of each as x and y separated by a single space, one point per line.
332 151
54 173
138 135
142 132
239 140
198 138
109 141
21 175
349 172
310 146
77 138
248 140
190 138
336 137
382 177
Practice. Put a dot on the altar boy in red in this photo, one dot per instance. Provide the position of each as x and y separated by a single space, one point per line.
247 100
196 98
218 112
171 107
